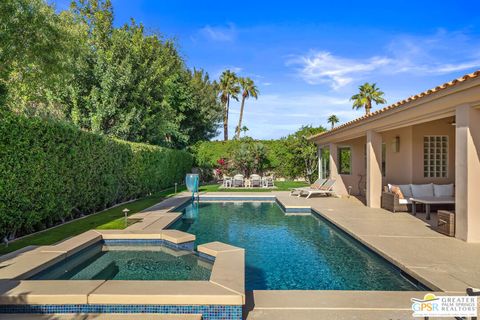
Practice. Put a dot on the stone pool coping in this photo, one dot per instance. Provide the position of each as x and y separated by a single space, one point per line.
225 287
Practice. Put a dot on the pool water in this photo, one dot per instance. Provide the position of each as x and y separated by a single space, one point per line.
290 251
129 262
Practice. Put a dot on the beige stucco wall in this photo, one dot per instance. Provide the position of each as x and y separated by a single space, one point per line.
358 167
438 127
406 166
467 214
398 164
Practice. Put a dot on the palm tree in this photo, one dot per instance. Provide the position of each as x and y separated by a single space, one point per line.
229 88
333 119
368 93
249 89
244 130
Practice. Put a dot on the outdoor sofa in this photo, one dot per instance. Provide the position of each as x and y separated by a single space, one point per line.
405 197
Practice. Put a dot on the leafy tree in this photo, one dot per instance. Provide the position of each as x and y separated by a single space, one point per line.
229 88
122 82
367 93
249 89
33 50
333 119
299 156
250 157
203 121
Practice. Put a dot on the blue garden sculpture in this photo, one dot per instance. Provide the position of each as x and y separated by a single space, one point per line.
192 181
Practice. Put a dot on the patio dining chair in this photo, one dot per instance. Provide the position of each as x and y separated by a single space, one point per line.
255 180
238 180
227 181
268 182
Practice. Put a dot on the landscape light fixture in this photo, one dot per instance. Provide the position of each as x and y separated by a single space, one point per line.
125 212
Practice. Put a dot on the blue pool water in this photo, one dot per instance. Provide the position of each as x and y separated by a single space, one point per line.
129 262
290 251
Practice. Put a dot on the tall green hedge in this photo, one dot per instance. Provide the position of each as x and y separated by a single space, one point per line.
51 172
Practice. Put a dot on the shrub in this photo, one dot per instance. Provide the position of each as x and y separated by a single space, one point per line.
51 172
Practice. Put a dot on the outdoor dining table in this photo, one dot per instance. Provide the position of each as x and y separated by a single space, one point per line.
427 201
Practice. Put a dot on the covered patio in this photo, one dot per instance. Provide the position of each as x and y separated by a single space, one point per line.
432 137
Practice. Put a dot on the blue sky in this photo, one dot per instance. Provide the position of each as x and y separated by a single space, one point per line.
309 57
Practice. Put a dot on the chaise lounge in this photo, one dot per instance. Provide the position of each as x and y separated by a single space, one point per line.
317 184
325 189
397 198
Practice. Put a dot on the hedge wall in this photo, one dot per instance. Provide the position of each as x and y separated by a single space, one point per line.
208 152
51 172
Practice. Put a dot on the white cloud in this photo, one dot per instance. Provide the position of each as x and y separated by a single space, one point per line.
441 53
219 33
323 67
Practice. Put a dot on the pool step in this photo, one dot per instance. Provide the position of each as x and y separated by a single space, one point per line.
104 316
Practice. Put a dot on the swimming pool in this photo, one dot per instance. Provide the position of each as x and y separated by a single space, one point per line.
290 252
135 261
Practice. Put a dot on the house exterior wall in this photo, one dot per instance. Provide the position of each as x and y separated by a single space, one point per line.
358 166
438 127
398 164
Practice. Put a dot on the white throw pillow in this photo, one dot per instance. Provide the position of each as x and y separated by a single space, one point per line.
422 190
443 190
406 190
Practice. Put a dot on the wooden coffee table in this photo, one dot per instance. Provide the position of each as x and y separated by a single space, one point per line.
427 201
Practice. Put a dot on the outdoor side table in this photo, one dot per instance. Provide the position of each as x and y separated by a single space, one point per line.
427 201
446 222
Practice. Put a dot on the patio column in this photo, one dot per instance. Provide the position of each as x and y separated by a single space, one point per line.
467 173
333 161
374 169
320 168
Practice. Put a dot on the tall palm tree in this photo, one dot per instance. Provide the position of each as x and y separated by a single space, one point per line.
368 93
249 89
229 88
333 119
244 130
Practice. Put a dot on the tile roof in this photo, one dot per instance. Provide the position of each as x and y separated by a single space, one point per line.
441 87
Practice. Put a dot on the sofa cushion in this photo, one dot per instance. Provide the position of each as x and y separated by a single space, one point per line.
397 191
443 190
422 190
406 190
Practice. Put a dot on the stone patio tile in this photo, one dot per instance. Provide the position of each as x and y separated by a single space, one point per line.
163 292
214 248
46 291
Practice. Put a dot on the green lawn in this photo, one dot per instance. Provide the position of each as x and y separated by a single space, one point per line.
281 186
108 219
114 219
